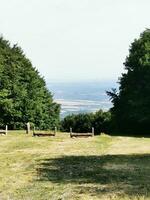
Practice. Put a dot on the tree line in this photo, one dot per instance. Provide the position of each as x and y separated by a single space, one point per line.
101 121
131 104
130 113
24 96
23 93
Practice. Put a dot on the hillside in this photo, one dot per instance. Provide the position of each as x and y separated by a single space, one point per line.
101 167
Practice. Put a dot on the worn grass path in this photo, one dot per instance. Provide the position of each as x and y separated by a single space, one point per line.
61 168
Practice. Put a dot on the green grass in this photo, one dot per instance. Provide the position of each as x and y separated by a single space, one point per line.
61 168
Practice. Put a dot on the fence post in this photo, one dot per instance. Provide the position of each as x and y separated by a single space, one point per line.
92 131
55 130
6 129
70 132
28 128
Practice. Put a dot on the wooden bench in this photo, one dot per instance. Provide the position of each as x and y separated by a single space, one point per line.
81 134
44 134
4 132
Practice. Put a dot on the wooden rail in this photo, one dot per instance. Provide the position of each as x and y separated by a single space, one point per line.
44 134
81 134
4 132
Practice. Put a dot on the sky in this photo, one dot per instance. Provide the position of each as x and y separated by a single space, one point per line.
75 40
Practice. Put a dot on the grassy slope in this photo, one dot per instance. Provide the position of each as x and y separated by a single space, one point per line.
60 168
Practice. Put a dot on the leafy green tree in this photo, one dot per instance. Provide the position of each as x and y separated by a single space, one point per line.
23 93
79 123
131 104
101 121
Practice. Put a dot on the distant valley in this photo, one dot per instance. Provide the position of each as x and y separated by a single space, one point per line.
80 97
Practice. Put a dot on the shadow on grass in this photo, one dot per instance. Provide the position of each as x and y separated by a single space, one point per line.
128 174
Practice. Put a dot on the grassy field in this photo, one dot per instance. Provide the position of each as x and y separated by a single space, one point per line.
61 168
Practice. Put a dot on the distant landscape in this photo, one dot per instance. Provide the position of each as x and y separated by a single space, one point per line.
81 97
75 100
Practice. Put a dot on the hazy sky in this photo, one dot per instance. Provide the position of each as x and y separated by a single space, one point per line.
75 39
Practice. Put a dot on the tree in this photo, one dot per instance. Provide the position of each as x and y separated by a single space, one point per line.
23 93
79 123
101 121
131 104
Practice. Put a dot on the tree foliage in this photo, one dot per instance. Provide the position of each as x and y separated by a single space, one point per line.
23 93
101 121
131 105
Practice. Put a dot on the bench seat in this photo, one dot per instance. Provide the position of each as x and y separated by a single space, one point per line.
81 135
3 132
43 134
